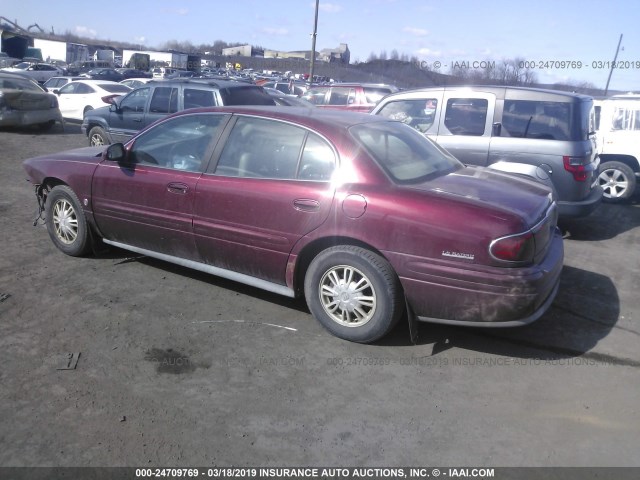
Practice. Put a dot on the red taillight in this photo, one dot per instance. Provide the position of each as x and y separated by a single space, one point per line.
577 167
109 99
514 248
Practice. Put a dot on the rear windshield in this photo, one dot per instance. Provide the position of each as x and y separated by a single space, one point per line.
405 154
248 95
19 84
114 88
546 120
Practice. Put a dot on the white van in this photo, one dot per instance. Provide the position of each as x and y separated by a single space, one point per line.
618 127
162 72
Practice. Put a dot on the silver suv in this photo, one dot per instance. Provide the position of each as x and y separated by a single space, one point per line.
543 134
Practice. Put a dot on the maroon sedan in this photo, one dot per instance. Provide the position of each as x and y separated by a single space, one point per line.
362 215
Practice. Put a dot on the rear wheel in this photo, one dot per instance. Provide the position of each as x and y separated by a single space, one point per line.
66 223
617 180
354 293
97 137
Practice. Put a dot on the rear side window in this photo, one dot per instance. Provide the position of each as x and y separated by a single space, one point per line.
260 148
316 95
539 120
198 98
466 116
375 94
248 95
164 100
625 118
342 96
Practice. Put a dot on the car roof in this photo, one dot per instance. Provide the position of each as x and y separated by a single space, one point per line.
203 81
499 90
316 118
90 81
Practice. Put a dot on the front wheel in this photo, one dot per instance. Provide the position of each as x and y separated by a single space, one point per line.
354 293
98 137
617 180
66 223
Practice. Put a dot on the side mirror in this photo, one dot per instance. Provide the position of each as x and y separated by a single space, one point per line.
56 91
115 153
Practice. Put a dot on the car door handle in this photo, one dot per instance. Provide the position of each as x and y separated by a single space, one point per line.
137 119
179 188
306 204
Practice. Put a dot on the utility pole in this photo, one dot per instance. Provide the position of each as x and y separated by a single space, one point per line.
313 43
606 89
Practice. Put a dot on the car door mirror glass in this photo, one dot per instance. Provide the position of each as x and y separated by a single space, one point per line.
115 153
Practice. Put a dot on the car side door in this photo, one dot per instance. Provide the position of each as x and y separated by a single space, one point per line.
270 186
146 199
465 127
128 117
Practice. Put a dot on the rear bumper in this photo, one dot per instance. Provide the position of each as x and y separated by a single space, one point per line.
23 118
582 208
472 295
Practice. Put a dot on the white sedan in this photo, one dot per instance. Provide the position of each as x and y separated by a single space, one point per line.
135 82
77 98
40 72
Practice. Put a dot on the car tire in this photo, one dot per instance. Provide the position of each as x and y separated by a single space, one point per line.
66 222
98 137
617 180
354 293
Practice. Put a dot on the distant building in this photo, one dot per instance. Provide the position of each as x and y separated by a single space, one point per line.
339 55
329 55
242 51
303 54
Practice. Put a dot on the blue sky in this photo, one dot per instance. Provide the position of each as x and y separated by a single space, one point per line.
434 31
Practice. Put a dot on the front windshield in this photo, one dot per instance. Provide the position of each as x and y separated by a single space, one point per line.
22 65
406 155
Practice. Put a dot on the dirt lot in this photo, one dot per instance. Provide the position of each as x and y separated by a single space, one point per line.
178 368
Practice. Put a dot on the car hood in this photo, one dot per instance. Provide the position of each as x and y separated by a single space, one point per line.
497 190
91 154
27 100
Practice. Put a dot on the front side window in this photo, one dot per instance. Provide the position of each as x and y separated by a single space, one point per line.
69 88
538 119
417 113
466 116
261 148
179 143
404 154
135 101
84 89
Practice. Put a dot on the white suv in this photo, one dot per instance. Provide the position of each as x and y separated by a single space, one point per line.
618 126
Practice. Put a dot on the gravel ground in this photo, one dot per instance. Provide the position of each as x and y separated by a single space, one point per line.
178 368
